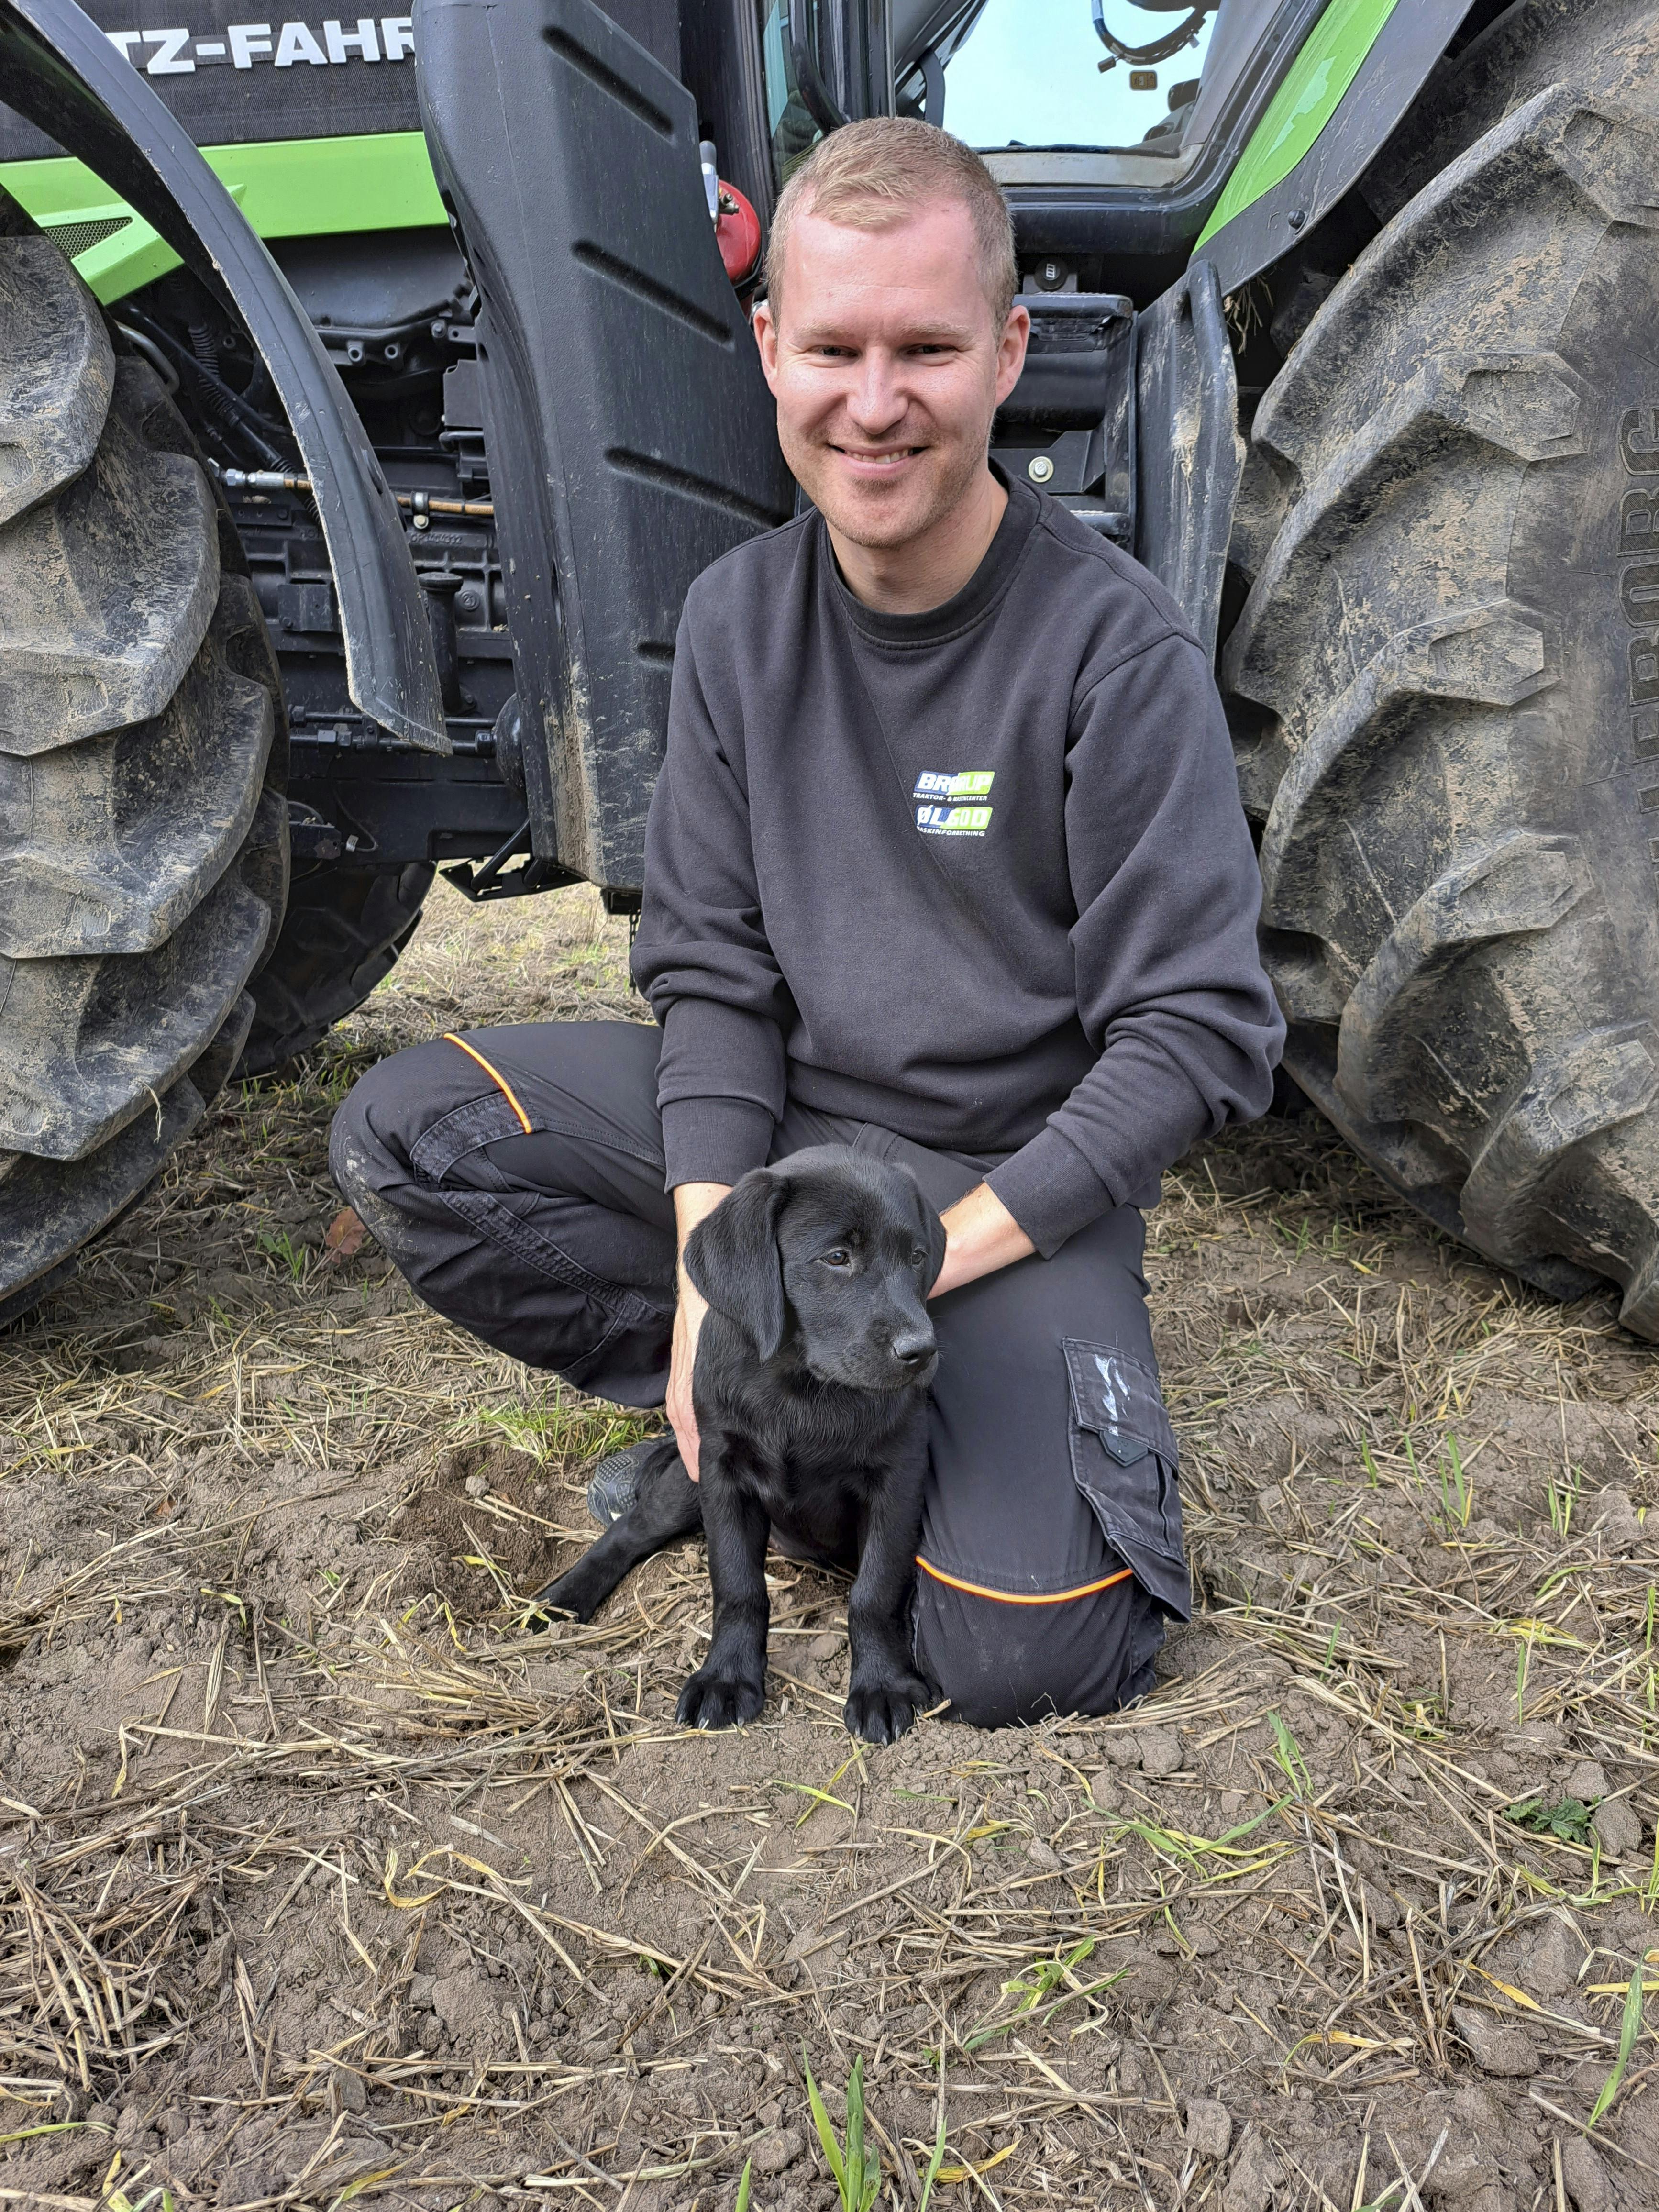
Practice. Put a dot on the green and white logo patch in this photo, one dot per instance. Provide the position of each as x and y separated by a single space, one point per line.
949 801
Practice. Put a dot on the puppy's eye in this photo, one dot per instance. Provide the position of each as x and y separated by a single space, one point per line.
841 1257
919 1258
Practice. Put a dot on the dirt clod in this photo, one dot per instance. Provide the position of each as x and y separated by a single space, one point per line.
1551 1961
1209 2127
1617 1827
1589 2184
1506 2051
777 2152
1255 2175
1161 1753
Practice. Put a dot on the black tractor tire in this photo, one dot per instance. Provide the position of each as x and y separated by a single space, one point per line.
143 834
1444 680
346 926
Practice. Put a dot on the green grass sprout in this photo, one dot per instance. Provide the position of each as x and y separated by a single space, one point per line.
1288 1753
1630 2026
938 2158
858 2184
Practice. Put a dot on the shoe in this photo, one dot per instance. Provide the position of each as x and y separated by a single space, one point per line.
616 1482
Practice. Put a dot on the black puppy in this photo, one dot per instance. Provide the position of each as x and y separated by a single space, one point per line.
811 1391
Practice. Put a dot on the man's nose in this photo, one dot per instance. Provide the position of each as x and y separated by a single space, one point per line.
875 403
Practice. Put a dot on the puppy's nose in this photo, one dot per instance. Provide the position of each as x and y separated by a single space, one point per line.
913 1346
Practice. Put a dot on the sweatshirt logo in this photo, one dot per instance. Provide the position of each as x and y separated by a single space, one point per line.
948 802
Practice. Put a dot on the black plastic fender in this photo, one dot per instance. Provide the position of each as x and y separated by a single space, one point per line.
61 71
1189 456
631 436
1400 60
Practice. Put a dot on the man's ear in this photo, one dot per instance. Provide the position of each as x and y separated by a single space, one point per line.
733 1257
1011 350
764 323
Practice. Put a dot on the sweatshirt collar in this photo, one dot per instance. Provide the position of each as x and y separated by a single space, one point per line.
975 598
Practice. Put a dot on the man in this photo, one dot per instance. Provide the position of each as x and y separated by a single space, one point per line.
947 863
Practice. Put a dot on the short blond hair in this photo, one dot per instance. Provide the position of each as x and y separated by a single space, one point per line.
872 174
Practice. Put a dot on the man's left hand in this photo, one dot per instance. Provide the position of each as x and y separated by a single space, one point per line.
980 1237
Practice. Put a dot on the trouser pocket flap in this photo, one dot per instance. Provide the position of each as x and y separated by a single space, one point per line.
1117 1396
1124 1456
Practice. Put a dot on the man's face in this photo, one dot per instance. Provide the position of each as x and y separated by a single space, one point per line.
887 367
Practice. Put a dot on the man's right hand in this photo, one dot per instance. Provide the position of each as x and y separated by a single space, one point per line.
692 1201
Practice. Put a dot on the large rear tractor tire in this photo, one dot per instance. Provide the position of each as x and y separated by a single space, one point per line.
143 835
1444 681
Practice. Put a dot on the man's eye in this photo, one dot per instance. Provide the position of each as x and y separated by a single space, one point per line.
838 1258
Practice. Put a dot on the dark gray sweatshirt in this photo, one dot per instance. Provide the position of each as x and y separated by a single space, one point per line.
979 875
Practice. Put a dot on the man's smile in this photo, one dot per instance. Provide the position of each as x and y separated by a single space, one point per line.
883 461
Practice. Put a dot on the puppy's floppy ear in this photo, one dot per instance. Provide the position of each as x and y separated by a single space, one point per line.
733 1257
936 1240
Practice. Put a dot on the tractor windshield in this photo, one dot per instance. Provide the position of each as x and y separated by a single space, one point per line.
1037 73
1076 91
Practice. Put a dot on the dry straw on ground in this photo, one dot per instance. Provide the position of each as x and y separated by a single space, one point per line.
326 1878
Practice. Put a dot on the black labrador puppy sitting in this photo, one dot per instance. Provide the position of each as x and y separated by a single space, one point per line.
811 1391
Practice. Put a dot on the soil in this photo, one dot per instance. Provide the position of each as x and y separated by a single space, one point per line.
324 1877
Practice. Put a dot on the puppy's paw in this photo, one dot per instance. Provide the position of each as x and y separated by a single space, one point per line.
880 1712
718 1701
565 1599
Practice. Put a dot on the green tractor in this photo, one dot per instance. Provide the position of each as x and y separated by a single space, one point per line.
362 425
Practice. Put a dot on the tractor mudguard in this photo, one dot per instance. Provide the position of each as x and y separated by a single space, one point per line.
1189 456
62 72
1358 73
1359 70
631 437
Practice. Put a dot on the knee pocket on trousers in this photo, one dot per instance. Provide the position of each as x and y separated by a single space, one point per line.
1125 1459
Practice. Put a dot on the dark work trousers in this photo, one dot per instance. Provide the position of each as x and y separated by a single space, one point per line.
516 1175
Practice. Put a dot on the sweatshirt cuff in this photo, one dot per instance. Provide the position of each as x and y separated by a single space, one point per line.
1051 1189
714 1139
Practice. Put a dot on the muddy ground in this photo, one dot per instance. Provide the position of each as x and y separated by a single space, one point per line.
324 1879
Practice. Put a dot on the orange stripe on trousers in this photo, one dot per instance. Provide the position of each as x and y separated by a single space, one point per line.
496 1077
1011 1597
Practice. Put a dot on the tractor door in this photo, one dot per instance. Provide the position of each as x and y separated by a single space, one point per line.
631 436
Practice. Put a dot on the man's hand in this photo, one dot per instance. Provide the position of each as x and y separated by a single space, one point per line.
980 1237
691 1201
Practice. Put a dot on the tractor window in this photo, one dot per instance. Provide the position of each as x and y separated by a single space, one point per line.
792 130
1029 73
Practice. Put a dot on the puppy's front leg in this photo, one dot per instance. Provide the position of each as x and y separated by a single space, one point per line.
729 1688
886 1692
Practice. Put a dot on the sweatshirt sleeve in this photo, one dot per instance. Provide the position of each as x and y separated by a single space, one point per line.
1171 988
701 955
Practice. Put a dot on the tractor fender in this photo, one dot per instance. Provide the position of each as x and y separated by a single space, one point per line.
1344 94
62 72
620 385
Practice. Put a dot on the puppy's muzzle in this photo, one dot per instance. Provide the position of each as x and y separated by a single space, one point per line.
915 1349
911 1355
